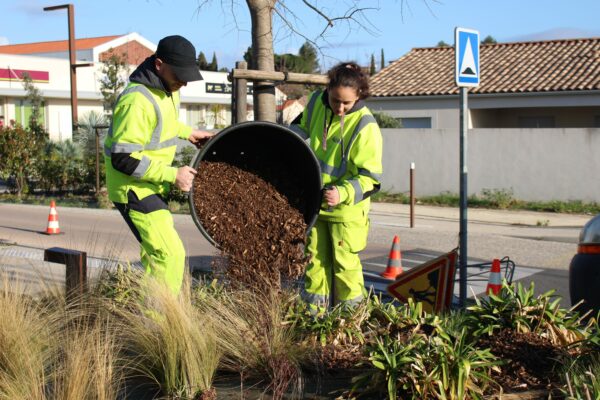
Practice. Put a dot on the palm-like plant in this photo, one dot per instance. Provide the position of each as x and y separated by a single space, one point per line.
518 308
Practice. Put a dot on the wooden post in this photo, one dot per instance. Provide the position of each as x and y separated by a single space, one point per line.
241 91
76 269
412 194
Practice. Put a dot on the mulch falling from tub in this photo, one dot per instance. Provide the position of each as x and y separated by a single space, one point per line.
256 227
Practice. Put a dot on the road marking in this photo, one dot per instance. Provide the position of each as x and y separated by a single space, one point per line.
38 254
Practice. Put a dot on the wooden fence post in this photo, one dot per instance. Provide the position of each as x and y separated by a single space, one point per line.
76 269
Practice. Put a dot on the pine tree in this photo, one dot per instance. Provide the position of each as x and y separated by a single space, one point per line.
372 68
213 64
382 60
202 63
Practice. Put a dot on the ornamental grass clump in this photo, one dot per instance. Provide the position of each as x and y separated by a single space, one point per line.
172 344
88 363
255 340
25 343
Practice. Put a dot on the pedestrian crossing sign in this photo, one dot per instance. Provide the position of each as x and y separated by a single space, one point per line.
466 49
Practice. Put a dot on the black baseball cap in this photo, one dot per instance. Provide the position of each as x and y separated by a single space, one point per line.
180 54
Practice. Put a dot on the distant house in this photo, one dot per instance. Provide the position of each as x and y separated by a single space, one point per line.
205 103
545 84
291 108
534 120
98 49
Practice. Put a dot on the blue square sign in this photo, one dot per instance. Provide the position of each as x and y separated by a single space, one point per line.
466 49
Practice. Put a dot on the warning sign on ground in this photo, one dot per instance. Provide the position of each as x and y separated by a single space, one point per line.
431 283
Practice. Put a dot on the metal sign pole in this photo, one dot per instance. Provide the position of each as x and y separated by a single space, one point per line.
462 238
466 52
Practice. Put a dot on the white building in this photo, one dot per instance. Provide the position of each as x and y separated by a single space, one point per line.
203 103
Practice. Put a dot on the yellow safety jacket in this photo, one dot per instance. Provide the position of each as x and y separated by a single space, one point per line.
349 159
141 142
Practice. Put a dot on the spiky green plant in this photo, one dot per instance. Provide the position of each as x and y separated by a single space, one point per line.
340 325
518 308
174 343
423 355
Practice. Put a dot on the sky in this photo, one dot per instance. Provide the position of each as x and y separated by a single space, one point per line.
223 26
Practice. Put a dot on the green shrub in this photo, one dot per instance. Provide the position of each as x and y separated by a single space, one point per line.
386 121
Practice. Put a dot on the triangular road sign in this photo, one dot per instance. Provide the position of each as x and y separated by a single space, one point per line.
431 283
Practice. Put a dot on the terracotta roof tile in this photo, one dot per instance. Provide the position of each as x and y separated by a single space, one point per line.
544 66
55 46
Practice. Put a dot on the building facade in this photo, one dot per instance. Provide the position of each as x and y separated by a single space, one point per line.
534 120
205 103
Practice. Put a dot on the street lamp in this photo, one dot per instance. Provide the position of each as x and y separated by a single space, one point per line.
73 65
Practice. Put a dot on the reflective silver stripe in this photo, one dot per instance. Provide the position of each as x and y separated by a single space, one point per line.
366 172
364 121
128 90
310 107
353 302
155 139
142 167
336 172
316 299
158 128
162 145
298 131
126 147
358 192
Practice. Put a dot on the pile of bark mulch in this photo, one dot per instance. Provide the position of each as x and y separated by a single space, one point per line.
531 360
257 226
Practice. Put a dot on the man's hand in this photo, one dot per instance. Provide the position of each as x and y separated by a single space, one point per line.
332 196
185 177
199 138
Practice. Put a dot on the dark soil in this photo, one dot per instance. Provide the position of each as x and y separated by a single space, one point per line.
255 224
531 360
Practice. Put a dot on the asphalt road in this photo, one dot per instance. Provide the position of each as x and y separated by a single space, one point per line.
540 244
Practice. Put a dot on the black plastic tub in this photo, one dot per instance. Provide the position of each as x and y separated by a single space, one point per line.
255 146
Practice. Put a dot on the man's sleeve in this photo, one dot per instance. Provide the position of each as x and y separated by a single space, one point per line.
183 131
133 125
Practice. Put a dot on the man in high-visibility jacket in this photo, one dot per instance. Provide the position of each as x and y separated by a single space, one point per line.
139 149
347 141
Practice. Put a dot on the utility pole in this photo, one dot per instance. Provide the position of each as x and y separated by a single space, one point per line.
72 62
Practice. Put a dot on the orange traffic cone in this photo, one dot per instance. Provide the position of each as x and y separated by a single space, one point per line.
53 227
394 264
495 280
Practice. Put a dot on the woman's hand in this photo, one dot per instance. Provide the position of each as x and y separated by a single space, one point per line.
331 195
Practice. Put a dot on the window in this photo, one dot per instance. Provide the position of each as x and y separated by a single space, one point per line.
537 122
417 122
196 115
23 113
597 121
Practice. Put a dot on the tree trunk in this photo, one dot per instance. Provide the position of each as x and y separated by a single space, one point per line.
261 12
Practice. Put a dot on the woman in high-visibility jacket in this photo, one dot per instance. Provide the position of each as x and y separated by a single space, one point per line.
347 142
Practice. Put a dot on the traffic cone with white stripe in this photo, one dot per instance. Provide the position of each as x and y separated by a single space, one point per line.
495 280
394 264
53 227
